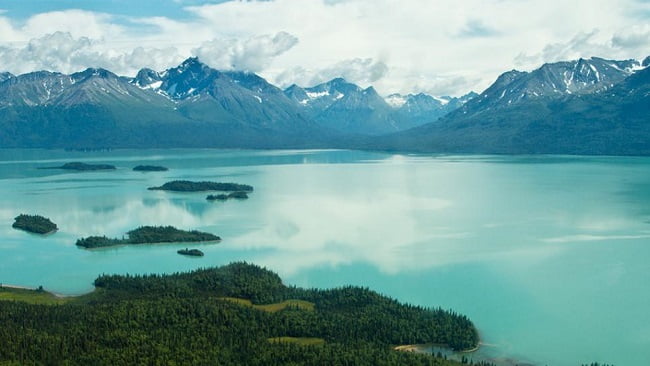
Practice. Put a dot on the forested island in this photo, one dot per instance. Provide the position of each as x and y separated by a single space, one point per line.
148 235
239 314
82 167
239 195
150 168
190 252
34 224
189 186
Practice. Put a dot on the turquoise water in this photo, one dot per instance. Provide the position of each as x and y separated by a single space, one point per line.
549 256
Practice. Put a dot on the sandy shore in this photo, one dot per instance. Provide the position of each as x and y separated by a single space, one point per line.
16 287
424 347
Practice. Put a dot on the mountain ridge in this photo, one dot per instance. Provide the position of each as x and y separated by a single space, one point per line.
608 113
584 106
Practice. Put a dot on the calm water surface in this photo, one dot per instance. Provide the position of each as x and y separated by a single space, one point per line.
549 256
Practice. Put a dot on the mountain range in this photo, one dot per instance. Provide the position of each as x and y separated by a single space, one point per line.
586 106
346 107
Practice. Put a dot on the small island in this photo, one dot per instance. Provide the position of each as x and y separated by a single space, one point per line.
190 252
82 167
148 235
189 186
150 168
34 224
239 195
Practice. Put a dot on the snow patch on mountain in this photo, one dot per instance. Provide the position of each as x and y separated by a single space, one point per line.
395 100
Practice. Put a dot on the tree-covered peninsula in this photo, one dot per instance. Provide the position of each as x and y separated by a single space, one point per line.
189 186
82 167
150 168
239 314
34 224
148 235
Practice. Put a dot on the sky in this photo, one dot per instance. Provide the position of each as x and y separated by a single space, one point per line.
439 47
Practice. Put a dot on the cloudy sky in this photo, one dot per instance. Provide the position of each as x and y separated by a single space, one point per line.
435 46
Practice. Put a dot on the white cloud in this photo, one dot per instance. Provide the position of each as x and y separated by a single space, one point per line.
253 54
360 71
619 46
62 52
405 46
78 23
637 37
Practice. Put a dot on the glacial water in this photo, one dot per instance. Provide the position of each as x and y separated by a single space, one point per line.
548 255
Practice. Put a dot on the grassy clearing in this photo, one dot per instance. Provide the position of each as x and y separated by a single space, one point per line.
31 296
272 308
303 341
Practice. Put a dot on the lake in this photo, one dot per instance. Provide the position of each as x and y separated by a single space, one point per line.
548 255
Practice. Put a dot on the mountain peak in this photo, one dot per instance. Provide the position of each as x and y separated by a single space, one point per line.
93 72
338 80
396 100
193 66
191 62
370 90
252 82
189 78
5 76
147 78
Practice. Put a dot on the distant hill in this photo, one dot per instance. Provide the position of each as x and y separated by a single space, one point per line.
587 106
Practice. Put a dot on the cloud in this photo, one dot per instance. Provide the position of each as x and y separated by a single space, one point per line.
62 52
360 71
476 28
253 54
412 45
633 38
621 45
78 23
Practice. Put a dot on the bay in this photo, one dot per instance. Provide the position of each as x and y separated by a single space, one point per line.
548 255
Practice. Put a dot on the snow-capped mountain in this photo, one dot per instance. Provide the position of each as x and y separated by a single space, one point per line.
344 106
581 76
347 107
322 96
147 79
417 109
91 86
203 93
586 106
593 106
188 105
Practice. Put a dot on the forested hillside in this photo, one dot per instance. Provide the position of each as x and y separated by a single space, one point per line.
200 318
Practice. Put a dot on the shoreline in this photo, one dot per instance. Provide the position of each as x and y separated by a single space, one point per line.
423 346
16 287
157 243
34 233
27 288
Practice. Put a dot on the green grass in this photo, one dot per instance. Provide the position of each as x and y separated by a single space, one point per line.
272 308
302 341
31 296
